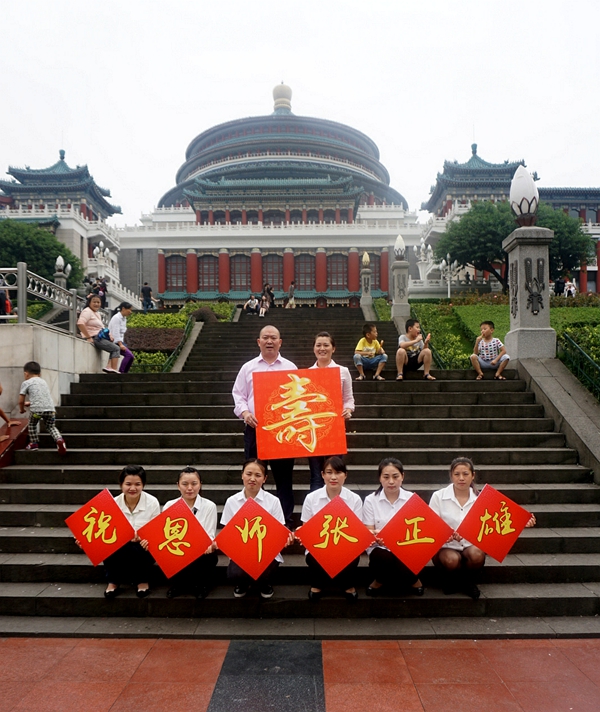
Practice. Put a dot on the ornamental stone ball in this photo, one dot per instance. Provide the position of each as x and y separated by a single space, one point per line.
400 249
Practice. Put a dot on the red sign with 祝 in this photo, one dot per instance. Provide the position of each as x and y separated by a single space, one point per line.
299 413
494 523
100 527
415 533
175 538
252 538
335 536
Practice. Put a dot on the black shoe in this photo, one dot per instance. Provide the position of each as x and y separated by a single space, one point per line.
240 591
173 592
472 591
201 592
142 593
112 594
267 591
351 597
314 595
416 590
373 592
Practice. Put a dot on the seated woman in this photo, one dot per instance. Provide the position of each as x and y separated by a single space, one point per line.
460 561
94 332
195 578
254 475
117 327
378 509
334 475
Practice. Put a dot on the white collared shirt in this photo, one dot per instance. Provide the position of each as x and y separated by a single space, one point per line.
206 513
266 500
117 327
347 394
444 503
315 501
378 510
145 510
243 388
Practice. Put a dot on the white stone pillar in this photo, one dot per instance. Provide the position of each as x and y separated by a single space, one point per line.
366 299
400 305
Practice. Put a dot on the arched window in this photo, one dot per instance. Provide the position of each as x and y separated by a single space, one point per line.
375 270
176 273
304 272
240 273
208 273
337 272
272 266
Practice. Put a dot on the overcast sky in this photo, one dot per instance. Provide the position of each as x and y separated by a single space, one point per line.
125 85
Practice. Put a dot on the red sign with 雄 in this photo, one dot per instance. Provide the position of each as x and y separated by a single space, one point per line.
335 536
252 538
415 533
299 413
175 538
100 527
494 523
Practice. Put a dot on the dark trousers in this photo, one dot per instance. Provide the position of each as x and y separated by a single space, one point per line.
129 564
127 361
389 570
283 474
199 573
319 578
238 577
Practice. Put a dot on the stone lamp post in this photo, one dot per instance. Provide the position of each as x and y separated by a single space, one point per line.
366 298
61 275
530 334
400 305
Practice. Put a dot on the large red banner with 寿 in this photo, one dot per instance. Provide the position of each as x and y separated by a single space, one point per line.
299 413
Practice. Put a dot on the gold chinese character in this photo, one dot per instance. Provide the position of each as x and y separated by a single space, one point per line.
415 533
102 524
298 421
175 531
502 522
258 530
337 531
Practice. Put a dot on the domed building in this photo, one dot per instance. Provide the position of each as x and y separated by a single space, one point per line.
271 199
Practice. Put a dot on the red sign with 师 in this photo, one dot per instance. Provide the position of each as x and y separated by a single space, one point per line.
100 527
415 533
299 413
494 523
335 536
252 538
175 538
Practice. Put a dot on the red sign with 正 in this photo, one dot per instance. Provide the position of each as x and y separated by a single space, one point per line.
100 527
494 523
335 536
415 533
299 413
252 538
175 538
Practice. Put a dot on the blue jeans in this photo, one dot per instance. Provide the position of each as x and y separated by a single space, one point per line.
369 364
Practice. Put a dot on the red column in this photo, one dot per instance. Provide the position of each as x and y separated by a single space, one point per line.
191 271
198 217
384 270
227 216
304 216
598 216
350 215
320 215
162 272
583 278
321 270
256 282
224 272
583 214
244 217
371 199
83 210
260 215
287 215
338 218
211 217
288 267
353 270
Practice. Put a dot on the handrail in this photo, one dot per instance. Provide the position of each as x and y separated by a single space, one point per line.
168 365
581 364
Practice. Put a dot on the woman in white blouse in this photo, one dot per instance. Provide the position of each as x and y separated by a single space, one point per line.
196 578
378 509
132 562
324 349
117 328
334 474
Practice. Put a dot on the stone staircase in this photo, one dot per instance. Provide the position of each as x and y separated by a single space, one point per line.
166 421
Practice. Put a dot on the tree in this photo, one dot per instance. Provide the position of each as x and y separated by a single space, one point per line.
22 242
476 239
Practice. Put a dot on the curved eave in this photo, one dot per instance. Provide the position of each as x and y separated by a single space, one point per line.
58 171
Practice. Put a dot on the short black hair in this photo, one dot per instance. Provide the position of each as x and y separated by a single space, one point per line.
487 323
32 367
409 323
336 463
189 470
368 328
136 470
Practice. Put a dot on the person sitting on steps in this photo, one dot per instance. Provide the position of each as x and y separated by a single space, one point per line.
489 353
369 354
413 352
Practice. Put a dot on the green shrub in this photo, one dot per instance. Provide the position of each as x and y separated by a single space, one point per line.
587 338
36 310
149 362
470 317
158 320
579 300
439 320
383 309
222 310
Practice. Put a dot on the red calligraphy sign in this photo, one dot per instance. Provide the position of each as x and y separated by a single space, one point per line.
100 527
335 536
494 523
175 538
252 538
299 413
415 533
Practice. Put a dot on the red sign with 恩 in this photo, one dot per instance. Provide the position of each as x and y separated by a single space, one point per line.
299 413
415 533
335 536
494 523
100 527
252 538
175 538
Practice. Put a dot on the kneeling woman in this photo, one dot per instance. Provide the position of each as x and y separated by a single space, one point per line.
254 475
334 475
196 578
378 509
460 561
132 563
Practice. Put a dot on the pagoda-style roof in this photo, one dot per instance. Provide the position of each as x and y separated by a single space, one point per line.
58 179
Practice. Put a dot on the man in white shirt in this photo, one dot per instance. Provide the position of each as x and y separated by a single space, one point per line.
269 343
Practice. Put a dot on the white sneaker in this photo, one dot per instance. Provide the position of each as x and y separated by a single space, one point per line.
109 370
